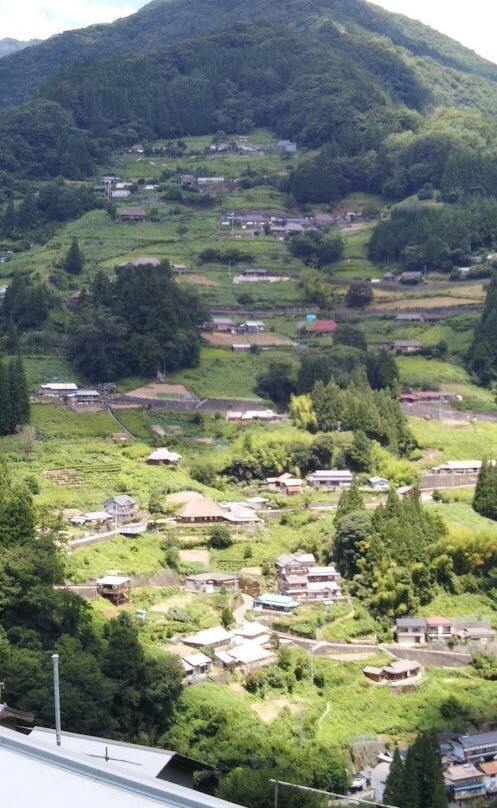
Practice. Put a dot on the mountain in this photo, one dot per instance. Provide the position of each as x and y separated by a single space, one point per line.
8 46
164 22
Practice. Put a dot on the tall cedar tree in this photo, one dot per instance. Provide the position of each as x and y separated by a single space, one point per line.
394 787
14 397
485 496
482 354
429 772
74 260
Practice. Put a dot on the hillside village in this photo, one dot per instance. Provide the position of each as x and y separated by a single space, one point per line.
248 427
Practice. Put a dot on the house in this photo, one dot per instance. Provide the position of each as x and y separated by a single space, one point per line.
120 505
86 771
379 777
187 180
163 457
269 601
479 746
300 578
427 396
406 346
236 513
438 629
251 327
459 467
82 397
291 485
400 670
489 770
373 673
136 149
321 327
292 563
330 478
473 630
93 517
203 181
409 317
210 582
379 484
61 389
222 324
132 215
388 277
114 587
410 630
200 511
120 193
240 346
247 657
284 482
146 261
252 415
196 666
288 146
212 638
252 631
411 277
257 503
464 782
14 719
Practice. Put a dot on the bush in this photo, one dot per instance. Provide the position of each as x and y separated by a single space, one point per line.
220 538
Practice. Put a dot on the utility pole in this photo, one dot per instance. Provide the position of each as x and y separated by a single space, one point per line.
56 692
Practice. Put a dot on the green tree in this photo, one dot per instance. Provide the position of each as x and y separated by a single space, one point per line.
74 260
220 537
394 786
359 295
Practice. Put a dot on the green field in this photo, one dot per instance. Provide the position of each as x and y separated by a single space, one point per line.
457 441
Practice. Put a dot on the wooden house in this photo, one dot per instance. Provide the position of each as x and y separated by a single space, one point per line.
115 588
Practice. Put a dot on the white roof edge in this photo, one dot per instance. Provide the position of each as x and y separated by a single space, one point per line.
160 791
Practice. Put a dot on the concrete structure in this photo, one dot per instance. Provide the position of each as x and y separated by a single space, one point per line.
210 582
330 478
163 457
253 632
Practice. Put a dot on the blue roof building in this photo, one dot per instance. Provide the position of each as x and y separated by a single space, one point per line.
275 603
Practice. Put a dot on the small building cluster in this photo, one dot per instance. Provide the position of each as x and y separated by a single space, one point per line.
423 630
245 648
300 578
322 479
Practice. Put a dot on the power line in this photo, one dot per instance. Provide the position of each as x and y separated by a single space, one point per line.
356 800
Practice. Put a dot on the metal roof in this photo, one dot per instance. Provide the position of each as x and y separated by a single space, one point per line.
55 777
476 740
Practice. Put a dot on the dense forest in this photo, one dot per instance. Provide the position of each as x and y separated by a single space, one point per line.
161 23
304 75
141 323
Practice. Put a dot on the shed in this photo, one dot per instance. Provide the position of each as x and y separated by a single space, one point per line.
114 587
163 457
270 601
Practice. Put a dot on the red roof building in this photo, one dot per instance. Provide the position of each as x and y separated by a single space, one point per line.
322 327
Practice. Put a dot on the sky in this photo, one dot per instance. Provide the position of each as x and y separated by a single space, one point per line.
472 23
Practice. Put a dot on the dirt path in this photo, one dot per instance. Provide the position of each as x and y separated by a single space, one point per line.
245 605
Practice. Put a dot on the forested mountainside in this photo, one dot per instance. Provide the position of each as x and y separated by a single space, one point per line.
321 84
8 46
163 22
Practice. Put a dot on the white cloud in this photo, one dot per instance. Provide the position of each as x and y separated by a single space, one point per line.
472 23
29 19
